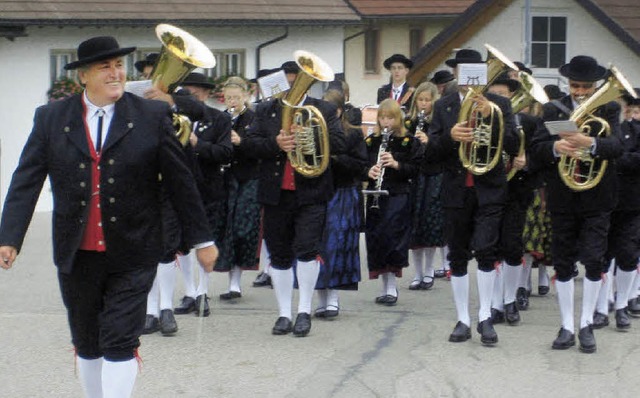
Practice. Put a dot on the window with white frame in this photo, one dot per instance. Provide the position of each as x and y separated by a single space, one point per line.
228 63
57 60
548 41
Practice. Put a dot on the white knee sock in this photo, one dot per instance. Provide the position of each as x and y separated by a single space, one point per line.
525 275
203 281
332 298
153 303
445 261
635 287
384 278
590 290
602 303
624 282
543 277
234 279
167 281
90 372
460 288
118 378
307 273
282 281
565 301
416 257
392 286
497 296
186 266
264 257
486 280
511 277
323 295
429 254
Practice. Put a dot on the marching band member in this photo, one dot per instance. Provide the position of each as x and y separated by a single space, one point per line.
398 89
442 79
241 244
427 218
580 219
294 206
387 229
473 204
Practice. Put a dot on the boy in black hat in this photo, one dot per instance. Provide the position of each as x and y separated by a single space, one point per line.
145 66
579 219
473 203
104 150
442 79
398 89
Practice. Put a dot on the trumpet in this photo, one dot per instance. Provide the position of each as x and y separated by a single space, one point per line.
378 191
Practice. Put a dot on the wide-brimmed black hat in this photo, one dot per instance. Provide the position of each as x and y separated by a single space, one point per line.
523 68
150 60
504 79
465 56
98 49
290 67
583 68
629 100
442 77
397 58
553 91
262 73
198 80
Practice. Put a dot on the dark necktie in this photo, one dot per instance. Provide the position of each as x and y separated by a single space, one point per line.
100 113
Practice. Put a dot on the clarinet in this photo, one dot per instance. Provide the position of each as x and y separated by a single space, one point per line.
421 119
378 188
234 122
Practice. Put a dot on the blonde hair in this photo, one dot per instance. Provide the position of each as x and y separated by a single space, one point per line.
391 108
236 81
423 87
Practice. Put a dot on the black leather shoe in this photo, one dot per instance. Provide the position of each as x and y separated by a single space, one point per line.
497 316
512 314
151 324
461 332
587 340
623 322
488 335
187 305
282 326
230 295
202 305
427 283
633 307
415 284
565 340
522 299
543 290
381 299
168 324
320 312
390 300
600 320
263 279
440 273
303 325
332 311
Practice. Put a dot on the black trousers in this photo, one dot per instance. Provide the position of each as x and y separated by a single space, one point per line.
579 236
513 220
624 240
473 231
293 231
106 311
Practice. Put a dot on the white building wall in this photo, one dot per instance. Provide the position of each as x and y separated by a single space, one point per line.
24 70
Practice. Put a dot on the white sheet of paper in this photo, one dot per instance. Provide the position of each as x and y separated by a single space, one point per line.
273 84
558 126
137 87
472 74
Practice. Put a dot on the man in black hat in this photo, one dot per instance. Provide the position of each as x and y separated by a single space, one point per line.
398 89
145 66
579 219
473 203
442 79
103 151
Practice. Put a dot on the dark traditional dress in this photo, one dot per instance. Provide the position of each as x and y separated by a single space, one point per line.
341 255
388 228
242 235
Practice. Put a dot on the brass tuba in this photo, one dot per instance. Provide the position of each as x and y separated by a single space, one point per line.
483 153
181 53
311 155
584 172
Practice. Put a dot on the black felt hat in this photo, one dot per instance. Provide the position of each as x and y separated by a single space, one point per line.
553 91
583 68
290 67
630 100
150 60
523 68
262 73
504 79
465 56
98 49
198 80
397 58
442 77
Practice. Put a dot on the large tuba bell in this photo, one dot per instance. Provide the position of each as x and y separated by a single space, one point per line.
584 172
483 153
181 53
311 154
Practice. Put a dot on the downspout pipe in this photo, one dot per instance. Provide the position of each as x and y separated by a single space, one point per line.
344 51
267 43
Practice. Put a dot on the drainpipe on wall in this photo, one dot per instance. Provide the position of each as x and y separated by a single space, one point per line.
344 52
527 33
267 43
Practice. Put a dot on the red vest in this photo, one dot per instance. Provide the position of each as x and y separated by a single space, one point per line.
288 179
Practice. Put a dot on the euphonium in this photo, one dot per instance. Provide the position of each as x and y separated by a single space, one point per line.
311 155
584 172
483 153
181 53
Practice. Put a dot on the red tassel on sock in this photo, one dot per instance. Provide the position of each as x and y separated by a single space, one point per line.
138 358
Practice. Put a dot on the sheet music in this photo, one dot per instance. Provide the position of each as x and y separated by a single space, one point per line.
273 84
558 126
137 87
472 74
